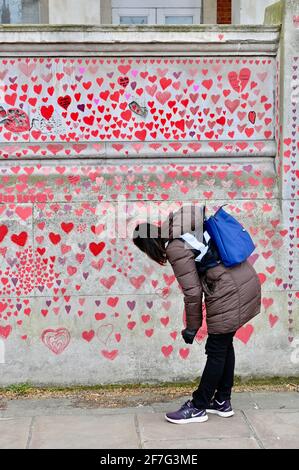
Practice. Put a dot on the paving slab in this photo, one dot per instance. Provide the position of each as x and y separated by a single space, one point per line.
154 427
62 406
273 427
240 401
277 400
230 443
14 433
262 420
84 432
284 443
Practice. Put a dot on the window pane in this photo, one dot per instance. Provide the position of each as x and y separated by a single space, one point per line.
178 19
133 20
19 11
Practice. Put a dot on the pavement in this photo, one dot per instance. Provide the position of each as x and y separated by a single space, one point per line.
262 420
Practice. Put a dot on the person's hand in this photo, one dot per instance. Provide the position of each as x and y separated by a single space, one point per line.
189 335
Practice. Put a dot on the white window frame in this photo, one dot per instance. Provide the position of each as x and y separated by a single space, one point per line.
163 12
149 12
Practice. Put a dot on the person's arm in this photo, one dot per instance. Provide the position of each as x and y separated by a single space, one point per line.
184 268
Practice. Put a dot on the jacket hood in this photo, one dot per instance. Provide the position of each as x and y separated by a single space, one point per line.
189 218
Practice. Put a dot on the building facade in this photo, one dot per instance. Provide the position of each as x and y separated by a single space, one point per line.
130 12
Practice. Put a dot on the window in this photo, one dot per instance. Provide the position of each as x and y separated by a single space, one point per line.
178 15
133 16
133 19
156 12
179 19
19 11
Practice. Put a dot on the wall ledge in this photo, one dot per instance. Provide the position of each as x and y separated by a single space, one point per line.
55 40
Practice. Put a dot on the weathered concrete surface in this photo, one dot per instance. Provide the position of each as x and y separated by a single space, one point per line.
262 420
78 302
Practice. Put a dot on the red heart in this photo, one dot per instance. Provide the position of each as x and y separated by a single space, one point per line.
54 237
56 340
167 350
111 355
64 101
5 331
88 335
3 232
67 227
19 239
244 333
47 111
96 248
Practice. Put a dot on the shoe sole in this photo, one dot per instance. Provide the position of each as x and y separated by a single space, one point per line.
223 414
200 419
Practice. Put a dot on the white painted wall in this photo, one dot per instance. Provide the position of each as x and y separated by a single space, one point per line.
74 12
249 11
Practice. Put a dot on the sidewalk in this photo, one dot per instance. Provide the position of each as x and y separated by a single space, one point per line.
262 420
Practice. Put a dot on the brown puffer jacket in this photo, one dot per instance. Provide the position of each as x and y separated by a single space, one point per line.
232 295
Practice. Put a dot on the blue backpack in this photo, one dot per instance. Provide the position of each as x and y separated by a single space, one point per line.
233 242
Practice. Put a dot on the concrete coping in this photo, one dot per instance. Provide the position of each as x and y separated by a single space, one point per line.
171 40
138 28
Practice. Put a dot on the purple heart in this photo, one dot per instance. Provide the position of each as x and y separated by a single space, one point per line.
11 261
82 246
131 304
40 288
81 107
133 85
19 306
110 74
85 275
149 304
177 74
68 308
97 302
48 303
247 168
78 77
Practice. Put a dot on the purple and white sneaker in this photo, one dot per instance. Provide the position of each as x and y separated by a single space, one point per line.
223 409
187 414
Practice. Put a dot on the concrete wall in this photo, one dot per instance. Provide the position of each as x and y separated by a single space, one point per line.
74 12
79 304
249 11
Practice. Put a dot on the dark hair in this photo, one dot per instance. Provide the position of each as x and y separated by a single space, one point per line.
147 237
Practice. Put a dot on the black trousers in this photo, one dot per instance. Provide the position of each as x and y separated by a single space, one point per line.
218 376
